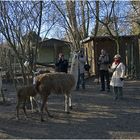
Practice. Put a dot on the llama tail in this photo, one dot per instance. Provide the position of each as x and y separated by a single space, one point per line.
37 84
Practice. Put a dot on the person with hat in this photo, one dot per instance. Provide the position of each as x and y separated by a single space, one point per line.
61 64
103 63
117 79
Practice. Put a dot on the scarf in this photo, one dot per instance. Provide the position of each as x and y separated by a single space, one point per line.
117 62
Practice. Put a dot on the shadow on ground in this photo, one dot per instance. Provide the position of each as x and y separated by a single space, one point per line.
95 115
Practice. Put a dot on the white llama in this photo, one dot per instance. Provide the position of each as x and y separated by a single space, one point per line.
74 67
74 72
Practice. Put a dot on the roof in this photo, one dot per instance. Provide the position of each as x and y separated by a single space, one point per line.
54 42
106 37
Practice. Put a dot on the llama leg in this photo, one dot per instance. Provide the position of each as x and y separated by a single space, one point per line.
70 103
17 109
37 105
46 109
42 107
66 103
24 109
32 106
2 95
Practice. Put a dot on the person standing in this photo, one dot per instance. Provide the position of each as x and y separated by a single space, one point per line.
103 63
117 79
81 70
61 64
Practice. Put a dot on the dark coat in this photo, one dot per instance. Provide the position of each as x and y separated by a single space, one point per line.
61 65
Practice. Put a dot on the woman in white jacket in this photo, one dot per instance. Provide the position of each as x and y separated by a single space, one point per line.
117 79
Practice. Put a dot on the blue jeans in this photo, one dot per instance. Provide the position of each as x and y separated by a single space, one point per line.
81 80
104 75
118 93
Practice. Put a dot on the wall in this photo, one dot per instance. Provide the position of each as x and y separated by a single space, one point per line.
45 55
48 55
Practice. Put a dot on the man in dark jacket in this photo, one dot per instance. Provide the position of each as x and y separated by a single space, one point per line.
103 63
61 64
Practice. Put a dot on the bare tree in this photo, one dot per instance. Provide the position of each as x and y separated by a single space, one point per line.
14 25
75 15
110 20
134 17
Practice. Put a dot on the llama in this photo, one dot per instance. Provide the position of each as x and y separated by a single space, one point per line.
32 99
61 86
74 72
58 83
23 94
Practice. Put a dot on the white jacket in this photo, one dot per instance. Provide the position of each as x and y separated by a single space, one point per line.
117 74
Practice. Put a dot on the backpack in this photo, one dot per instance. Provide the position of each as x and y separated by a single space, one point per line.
86 67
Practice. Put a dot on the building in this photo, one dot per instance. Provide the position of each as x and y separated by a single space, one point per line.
129 50
49 49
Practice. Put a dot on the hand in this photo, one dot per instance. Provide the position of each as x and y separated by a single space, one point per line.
121 79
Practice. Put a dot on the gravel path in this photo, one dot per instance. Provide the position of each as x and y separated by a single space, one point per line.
95 115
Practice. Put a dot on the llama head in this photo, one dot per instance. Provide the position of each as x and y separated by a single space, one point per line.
75 56
26 63
74 60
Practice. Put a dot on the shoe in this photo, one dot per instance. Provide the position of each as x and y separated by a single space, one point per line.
83 88
102 90
108 90
121 98
71 107
115 98
77 89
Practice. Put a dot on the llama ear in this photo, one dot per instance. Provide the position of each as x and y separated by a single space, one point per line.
26 63
75 56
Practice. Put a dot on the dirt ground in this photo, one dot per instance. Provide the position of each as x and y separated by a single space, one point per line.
95 115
